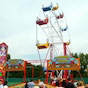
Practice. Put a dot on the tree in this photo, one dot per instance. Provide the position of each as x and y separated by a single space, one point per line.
8 57
83 64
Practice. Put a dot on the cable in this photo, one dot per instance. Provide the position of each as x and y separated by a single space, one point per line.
46 56
36 34
39 57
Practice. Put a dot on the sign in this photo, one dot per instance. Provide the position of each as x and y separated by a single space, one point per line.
3 52
64 63
15 63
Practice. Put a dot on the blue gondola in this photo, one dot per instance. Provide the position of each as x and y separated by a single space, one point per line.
64 29
47 8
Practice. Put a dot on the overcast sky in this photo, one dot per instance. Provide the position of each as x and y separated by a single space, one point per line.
18 27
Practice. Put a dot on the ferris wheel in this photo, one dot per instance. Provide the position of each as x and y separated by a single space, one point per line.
52 37
52 33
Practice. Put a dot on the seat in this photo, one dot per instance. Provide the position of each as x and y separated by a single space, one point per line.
42 46
42 22
55 8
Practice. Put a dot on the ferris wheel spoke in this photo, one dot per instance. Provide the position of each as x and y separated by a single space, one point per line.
56 31
57 24
45 33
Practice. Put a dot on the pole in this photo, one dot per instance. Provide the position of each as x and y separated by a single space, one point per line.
51 51
32 71
65 53
47 74
64 45
25 71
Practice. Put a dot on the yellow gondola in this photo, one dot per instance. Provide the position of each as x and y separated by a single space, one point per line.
55 8
67 43
42 46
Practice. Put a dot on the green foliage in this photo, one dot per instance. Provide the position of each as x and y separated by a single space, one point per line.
15 74
38 72
8 57
84 62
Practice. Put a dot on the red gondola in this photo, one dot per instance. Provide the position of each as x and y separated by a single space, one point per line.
60 16
42 22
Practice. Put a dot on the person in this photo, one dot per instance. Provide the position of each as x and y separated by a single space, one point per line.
1 84
58 84
80 84
86 85
31 84
54 81
63 83
26 85
5 84
69 84
75 83
36 86
41 84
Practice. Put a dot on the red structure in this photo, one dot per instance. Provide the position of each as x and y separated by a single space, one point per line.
64 45
25 63
12 65
2 73
3 57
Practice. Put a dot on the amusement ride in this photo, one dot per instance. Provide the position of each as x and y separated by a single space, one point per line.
52 42
52 37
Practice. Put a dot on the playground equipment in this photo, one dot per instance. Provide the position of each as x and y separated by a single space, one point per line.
54 30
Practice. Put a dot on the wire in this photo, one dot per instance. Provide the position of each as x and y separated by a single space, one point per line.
68 49
36 33
46 56
39 57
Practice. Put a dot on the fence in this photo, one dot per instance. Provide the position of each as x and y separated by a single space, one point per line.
13 81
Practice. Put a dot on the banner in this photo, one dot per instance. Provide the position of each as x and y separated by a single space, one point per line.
64 63
3 53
